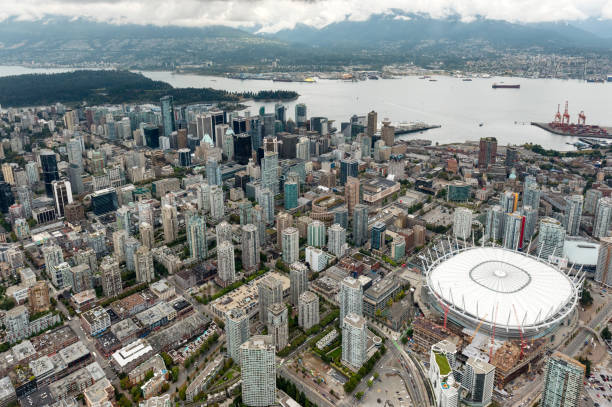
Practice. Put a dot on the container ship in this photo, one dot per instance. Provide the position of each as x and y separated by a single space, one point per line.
561 125
503 86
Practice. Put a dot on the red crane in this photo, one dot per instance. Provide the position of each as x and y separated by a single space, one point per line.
581 117
493 334
445 308
558 114
566 116
523 344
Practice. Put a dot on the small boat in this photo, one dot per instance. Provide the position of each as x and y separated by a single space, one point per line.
480 124
467 79
504 86
433 80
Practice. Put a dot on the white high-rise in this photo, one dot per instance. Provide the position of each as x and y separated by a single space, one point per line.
478 377
316 234
298 276
573 214
336 241
270 292
258 371
291 245
250 247
236 331
354 340
308 310
603 214
217 209
223 232
170 223
550 238
462 223
351 297
143 262
225 262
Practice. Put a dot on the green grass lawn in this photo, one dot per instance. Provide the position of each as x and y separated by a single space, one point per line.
335 353
443 365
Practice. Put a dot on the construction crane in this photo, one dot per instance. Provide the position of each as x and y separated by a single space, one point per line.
581 117
471 338
493 334
566 115
558 114
523 344
445 308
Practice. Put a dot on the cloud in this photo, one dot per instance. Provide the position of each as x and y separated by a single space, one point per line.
274 15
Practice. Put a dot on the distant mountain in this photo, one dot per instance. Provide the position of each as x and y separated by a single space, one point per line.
410 30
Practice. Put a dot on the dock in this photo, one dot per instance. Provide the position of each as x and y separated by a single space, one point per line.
573 130
414 128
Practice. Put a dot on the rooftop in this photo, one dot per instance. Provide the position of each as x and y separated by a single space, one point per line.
443 364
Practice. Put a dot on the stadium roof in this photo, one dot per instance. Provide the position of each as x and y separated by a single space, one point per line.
502 287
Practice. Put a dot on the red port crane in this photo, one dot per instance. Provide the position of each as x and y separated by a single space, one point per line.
558 114
581 117
566 116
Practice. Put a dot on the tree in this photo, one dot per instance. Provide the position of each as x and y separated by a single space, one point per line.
605 334
359 395
586 299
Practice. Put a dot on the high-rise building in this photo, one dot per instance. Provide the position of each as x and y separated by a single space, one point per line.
250 247
603 214
591 199
270 292
603 271
341 216
487 152
291 194
301 116
32 172
298 276
119 238
494 227
213 172
387 133
75 177
514 232
258 371
104 201
38 297
348 168
550 238
242 148
147 235
531 220
372 124
265 199
283 221
573 214
196 237
441 364
223 232
462 223
226 269
7 173
217 208
511 156
74 149
290 245
302 149
6 197
563 381
169 223
377 240
360 225
351 297
351 193
531 196
316 234
203 197
131 245
308 310
269 171
52 255
50 173
509 201
278 324
167 112
111 277
62 194
143 262
478 377
123 218
354 340
236 331
336 240
24 195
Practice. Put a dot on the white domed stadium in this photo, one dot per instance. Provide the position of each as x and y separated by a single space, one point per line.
511 291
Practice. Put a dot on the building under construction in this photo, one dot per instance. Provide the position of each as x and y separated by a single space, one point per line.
510 361
426 333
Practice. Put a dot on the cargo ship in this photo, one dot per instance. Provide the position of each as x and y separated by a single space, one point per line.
503 86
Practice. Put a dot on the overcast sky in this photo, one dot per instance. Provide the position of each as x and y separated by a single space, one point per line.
274 15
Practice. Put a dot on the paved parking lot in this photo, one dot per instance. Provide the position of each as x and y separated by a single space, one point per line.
599 387
389 386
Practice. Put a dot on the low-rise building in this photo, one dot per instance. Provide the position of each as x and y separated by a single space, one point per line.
202 380
130 356
95 321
